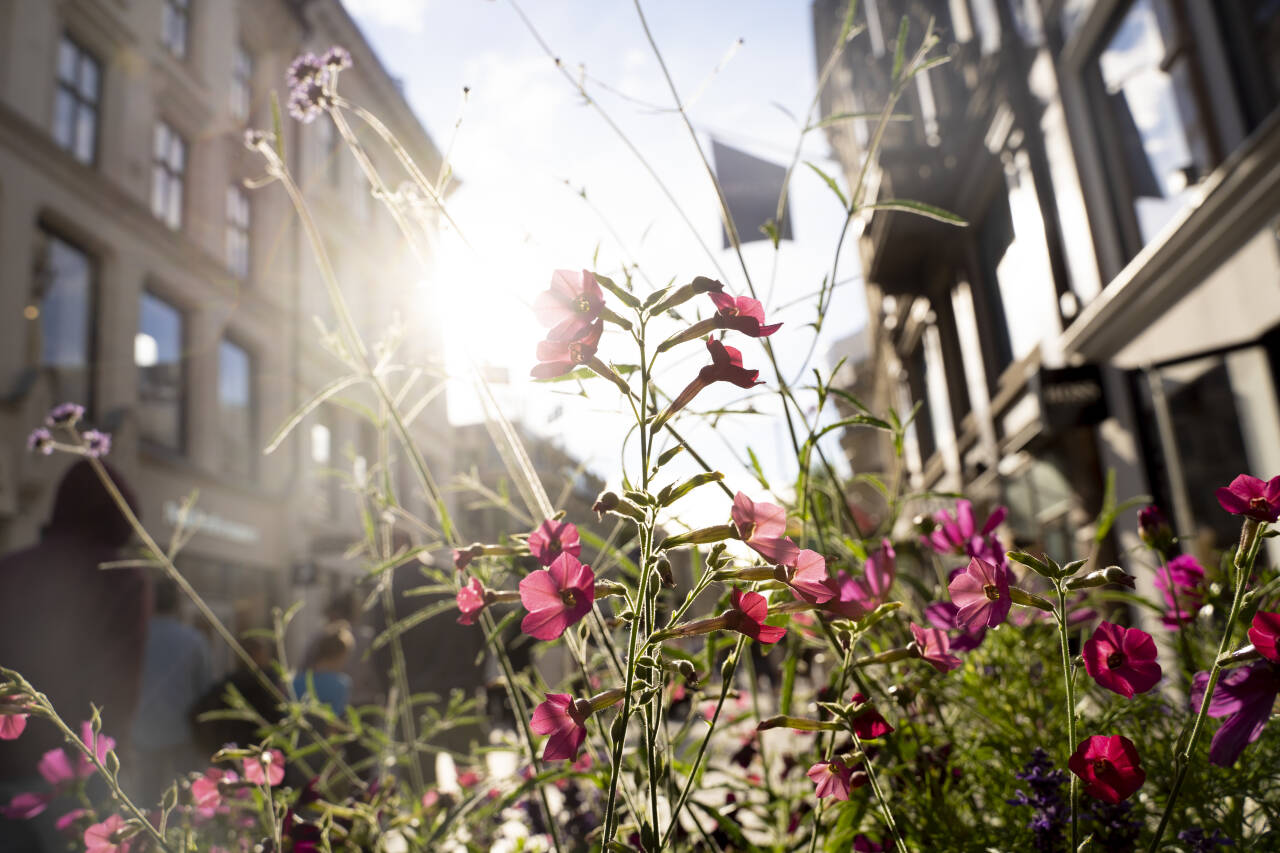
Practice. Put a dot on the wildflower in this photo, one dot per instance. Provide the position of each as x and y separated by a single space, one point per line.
725 366
107 837
565 720
68 820
308 100
11 724
808 577
96 444
1181 581
868 723
304 69
25 806
99 743
55 768
1049 819
742 314
1252 498
1244 697
206 796
1154 529
556 597
265 769
553 538
834 779
64 415
462 557
556 358
746 615
40 441
960 535
763 526
934 648
981 592
1109 766
880 572
571 306
471 600
336 58
1263 633
942 615
850 598
1123 660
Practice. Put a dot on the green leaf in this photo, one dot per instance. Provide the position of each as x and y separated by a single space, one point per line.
579 374
755 467
900 51
919 208
309 406
831 182
622 293
856 420
836 118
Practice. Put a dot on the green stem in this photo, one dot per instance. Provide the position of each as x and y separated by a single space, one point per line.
1067 675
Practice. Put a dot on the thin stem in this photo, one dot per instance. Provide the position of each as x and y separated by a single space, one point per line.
1065 639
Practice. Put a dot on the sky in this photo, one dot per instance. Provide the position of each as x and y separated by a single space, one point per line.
528 146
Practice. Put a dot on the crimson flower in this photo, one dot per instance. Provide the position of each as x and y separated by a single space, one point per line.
934 648
868 723
570 306
1252 498
556 358
471 600
763 526
960 534
725 366
565 720
265 769
557 597
1109 766
742 314
1264 633
553 538
107 837
746 615
1181 580
981 592
1123 660
808 577
11 725
834 779
1245 697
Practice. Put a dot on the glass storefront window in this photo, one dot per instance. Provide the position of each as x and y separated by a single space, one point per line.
235 410
157 352
62 303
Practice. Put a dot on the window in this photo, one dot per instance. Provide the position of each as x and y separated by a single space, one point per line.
157 351
167 169
177 17
235 410
75 104
1253 33
62 303
241 83
329 142
238 231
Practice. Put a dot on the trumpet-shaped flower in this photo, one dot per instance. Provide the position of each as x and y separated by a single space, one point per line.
565 720
11 725
942 615
471 600
1252 498
107 836
1245 697
556 357
742 314
206 796
64 414
834 779
1264 633
869 723
725 366
557 597
570 306
1109 766
981 592
960 534
763 526
934 648
747 615
1181 581
808 578
96 443
553 538
264 769
1123 660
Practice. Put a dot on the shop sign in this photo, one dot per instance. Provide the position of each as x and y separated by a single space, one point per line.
211 524
1071 396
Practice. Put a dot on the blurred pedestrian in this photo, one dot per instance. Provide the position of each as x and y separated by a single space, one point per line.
213 734
322 673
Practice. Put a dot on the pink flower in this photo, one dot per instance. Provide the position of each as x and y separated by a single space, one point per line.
26 806
763 526
1264 632
11 725
1123 660
553 538
462 557
55 768
981 592
467 778
747 615
556 358
934 648
942 615
742 314
1251 497
881 570
808 577
960 535
570 306
1181 580
834 779
266 769
205 794
1109 767
557 597
106 837
565 720
430 799
868 723
1154 529
1245 697
471 600
71 818
725 366
100 744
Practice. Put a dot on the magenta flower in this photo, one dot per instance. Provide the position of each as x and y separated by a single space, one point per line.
746 615
1154 529
565 720
742 314
1123 660
1251 497
265 769
570 306
557 597
11 725
556 358
26 806
107 837
471 600
960 534
1109 766
868 723
934 648
981 592
69 819
99 743
1264 632
942 615
1245 697
206 796
763 526
881 570
55 768
834 779
808 578
1181 580
850 597
725 366
553 538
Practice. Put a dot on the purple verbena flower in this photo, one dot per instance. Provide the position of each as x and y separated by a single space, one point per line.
1199 841
303 70
336 58
1044 795
64 414
308 100
96 444
41 441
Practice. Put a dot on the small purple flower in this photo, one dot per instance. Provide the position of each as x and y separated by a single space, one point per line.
1251 497
303 70
1245 697
96 444
64 414
308 100
1044 795
1199 841
337 58
40 441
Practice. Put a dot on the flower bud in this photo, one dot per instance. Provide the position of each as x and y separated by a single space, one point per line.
1029 599
663 567
610 502
702 536
683 294
1154 530
1101 577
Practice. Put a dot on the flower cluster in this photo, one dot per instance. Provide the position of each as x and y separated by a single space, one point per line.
66 418
311 81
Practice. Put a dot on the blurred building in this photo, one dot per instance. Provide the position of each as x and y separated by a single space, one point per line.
143 279
1114 303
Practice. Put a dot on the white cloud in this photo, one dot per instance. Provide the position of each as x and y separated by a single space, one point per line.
408 15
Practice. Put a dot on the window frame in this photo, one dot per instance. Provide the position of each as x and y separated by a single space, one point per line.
174 176
240 229
71 89
240 95
251 473
181 446
49 233
176 13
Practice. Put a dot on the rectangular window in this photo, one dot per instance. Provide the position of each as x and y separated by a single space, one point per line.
235 410
238 231
63 305
75 104
157 352
168 167
241 97
177 18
